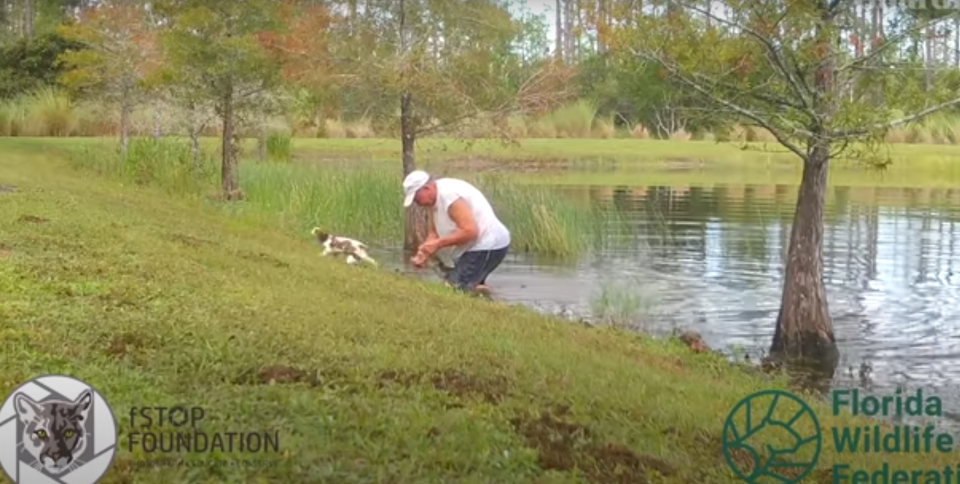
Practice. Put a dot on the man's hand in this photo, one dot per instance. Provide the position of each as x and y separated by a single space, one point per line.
429 247
426 250
419 260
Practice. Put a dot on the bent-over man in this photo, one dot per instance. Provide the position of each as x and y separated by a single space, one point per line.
461 219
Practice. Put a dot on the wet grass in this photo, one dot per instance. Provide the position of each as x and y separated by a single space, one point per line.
367 376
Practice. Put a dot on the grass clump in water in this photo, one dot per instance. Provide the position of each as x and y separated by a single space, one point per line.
156 300
619 304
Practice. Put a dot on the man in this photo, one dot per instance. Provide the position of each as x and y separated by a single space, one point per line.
462 220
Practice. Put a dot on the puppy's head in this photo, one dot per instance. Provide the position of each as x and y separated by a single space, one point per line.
320 234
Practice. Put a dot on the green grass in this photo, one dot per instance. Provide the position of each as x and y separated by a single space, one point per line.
364 202
159 300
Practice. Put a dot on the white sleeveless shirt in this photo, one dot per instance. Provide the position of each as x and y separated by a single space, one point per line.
492 234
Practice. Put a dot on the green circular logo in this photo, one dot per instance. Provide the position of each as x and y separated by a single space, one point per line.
772 436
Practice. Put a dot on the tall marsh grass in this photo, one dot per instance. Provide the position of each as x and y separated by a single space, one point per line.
46 112
361 202
542 220
279 146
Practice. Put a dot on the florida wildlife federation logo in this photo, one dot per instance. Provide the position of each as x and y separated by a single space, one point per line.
772 436
56 429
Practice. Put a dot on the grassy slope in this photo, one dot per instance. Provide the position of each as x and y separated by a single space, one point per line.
157 302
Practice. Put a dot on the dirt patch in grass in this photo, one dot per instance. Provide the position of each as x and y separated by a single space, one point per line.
5 250
694 341
263 257
32 219
119 299
492 390
564 445
191 241
287 375
128 345
7 188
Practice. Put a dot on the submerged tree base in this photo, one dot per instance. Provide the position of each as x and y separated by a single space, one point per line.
808 356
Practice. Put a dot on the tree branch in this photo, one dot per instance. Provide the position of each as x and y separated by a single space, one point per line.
781 138
774 56
896 122
757 93
891 42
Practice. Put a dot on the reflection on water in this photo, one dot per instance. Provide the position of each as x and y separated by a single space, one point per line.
711 260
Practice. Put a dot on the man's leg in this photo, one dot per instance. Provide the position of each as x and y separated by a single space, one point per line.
494 261
474 267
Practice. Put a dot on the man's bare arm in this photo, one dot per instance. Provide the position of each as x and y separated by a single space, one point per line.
431 226
467 229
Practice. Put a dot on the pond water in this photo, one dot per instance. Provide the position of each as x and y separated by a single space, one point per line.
711 259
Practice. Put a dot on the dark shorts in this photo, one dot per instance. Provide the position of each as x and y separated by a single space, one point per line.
474 266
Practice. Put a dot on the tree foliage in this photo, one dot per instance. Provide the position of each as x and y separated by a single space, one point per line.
215 50
762 67
29 64
120 50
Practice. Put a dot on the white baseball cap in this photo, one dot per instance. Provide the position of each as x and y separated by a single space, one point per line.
416 180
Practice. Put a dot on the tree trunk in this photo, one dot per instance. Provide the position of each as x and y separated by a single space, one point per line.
125 114
558 37
407 135
195 147
195 129
568 34
804 327
956 42
929 34
29 17
804 330
229 178
157 122
875 43
415 225
261 142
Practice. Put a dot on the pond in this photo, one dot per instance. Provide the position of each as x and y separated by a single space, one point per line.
710 259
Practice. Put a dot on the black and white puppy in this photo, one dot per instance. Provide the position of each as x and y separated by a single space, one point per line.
355 250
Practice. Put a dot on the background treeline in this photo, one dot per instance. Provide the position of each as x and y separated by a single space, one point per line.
339 68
